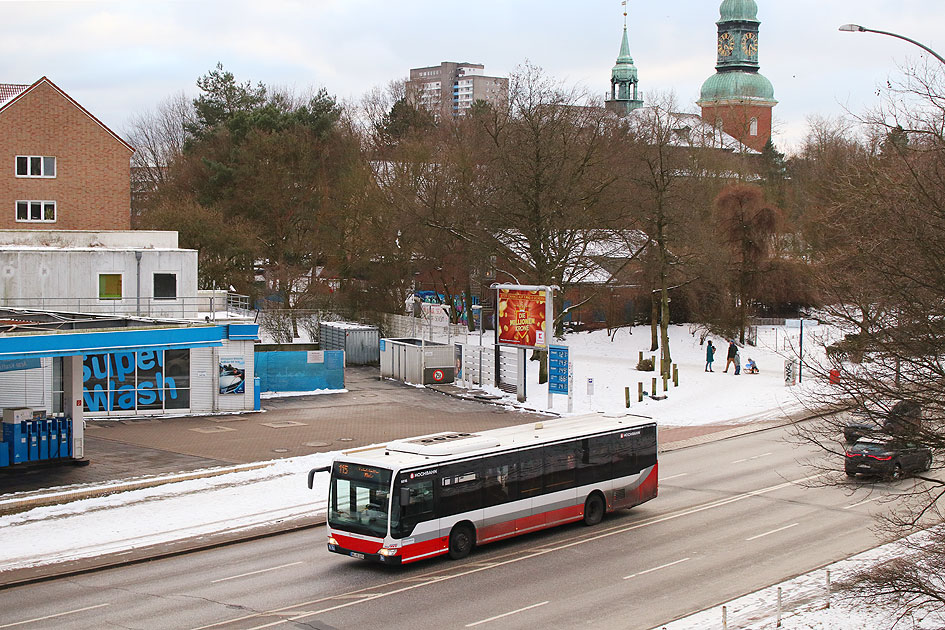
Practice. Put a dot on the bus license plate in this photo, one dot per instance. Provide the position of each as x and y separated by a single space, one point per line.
359 556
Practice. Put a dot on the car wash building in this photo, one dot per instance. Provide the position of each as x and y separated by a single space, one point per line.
72 366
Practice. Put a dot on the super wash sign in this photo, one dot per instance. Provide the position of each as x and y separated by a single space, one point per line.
522 318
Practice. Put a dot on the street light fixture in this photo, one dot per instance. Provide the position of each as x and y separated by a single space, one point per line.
856 28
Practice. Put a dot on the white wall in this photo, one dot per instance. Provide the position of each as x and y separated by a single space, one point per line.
205 394
68 280
28 388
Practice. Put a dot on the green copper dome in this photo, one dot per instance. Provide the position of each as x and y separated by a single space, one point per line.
737 85
744 10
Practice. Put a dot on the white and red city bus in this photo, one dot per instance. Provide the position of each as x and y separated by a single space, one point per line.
447 492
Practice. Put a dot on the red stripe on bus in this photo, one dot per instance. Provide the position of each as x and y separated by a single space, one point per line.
356 544
426 549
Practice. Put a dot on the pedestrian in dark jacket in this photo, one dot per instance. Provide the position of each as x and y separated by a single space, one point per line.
709 356
732 351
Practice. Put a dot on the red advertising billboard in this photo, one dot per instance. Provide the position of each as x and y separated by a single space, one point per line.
522 315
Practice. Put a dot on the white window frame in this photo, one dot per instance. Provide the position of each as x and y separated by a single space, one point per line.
42 203
753 127
42 166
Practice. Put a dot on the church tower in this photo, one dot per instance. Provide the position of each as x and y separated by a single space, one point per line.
737 97
624 96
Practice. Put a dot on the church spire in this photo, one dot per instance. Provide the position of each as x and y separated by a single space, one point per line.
624 94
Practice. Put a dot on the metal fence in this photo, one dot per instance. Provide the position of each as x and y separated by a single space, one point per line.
422 328
179 307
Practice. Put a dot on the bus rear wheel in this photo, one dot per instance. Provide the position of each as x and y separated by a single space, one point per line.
593 510
462 539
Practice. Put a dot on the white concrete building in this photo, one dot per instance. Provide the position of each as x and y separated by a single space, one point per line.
141 273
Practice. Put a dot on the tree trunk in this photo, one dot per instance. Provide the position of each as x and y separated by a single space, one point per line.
654 325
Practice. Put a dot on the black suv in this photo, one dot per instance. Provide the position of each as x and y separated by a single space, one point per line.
886 458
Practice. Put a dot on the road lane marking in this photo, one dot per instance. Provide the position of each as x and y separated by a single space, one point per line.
673 477
850 507
62 614
233 577
773 531
664 566
518 557
508 614
748 459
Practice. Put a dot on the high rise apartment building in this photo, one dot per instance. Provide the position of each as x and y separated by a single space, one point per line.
451 88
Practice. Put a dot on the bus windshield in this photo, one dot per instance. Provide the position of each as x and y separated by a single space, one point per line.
358 499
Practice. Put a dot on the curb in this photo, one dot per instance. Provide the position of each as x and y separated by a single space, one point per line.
42 498
72 568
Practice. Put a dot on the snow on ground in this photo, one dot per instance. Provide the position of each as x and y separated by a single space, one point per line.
127 520
702 397
314 392
278 491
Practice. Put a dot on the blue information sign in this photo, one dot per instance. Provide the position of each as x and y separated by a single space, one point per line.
558 369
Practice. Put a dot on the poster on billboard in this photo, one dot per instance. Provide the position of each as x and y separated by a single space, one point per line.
523 316
232 375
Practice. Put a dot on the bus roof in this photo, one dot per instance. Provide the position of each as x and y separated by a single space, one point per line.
446 446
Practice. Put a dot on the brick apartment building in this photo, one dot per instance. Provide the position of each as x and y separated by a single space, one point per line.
60 167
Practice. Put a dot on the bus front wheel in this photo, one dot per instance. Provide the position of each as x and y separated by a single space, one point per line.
593 510
462 539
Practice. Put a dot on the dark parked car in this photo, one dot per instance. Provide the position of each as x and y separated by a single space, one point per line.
904 420
886 458
860 428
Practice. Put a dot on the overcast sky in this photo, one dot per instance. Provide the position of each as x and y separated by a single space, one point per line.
121 57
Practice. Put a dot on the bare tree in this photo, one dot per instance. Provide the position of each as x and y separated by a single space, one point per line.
876 234
747 225
159 137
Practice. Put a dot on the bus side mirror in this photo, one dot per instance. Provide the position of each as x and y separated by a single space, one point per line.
311 475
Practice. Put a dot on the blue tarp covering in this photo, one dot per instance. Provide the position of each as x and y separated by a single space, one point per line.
300 371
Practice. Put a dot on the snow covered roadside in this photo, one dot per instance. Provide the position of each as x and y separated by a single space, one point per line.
804 603
176 511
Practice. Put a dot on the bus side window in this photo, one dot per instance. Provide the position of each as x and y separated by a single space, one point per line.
529 473
497 481
460 489
624 464
644 448
561 461
595 462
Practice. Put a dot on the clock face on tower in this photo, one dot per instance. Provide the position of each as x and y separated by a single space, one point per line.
750 44
726 44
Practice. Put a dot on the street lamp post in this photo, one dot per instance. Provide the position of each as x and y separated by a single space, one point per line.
856 28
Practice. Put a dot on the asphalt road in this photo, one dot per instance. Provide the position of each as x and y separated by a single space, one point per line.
732 516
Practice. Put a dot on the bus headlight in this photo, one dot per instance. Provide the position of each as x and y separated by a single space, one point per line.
332 541
388 552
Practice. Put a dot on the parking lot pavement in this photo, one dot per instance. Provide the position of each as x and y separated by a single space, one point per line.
370 411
